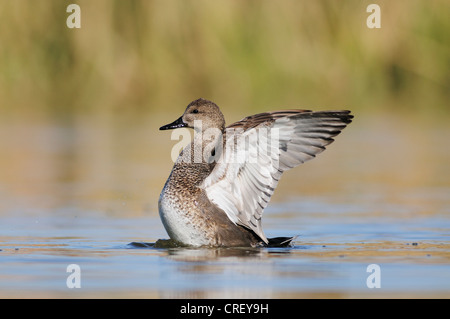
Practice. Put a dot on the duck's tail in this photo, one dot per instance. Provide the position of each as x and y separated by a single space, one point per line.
280 241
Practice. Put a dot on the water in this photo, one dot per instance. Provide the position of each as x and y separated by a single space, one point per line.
79 193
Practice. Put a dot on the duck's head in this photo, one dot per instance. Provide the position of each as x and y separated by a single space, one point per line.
200 115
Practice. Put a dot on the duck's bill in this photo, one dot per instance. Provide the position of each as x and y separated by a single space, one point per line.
178 123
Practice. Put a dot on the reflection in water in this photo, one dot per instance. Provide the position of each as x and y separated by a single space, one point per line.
175 252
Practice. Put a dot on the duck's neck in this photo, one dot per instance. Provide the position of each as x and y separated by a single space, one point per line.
207 144
205 148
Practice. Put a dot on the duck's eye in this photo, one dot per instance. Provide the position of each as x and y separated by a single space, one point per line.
195 111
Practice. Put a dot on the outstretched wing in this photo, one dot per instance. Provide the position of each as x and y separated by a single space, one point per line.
258 150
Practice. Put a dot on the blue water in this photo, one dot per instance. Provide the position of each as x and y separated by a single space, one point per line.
328 259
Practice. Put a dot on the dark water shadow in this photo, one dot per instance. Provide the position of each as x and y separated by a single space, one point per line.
160 243
188 253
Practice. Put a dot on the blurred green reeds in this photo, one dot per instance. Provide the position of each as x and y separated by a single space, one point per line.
153 56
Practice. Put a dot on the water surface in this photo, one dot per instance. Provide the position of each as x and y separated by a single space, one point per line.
80 192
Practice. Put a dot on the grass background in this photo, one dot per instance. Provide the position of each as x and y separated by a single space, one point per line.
140 57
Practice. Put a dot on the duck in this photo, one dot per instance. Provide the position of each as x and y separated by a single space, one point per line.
222 181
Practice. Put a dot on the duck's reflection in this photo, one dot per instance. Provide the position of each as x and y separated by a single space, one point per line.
195 254
233 272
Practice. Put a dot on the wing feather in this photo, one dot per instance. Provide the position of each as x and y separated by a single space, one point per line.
265 146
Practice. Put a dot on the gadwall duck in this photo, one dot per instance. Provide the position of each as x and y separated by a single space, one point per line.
222 181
